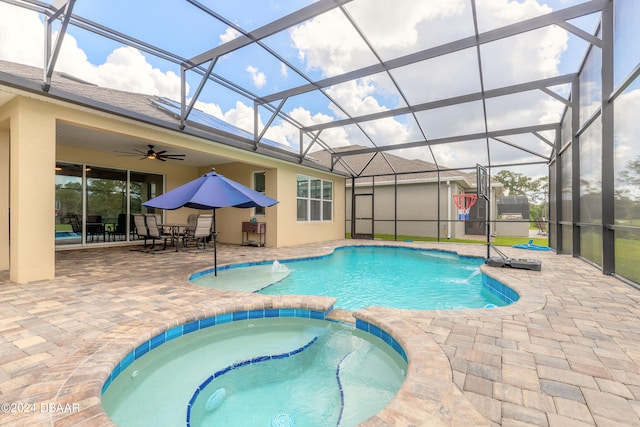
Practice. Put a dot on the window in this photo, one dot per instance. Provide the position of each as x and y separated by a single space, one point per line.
315 199
260 186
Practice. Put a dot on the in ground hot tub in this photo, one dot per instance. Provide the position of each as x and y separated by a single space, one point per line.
279 367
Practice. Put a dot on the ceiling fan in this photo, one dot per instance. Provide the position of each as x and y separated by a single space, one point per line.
159 155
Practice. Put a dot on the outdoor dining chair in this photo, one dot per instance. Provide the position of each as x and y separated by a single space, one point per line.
202 231
95 227
155 232
141 227
190 229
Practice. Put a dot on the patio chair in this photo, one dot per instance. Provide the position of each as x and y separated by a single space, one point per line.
76 223
95 227
202 231
542 226
155 232
190 228
141 227
120 228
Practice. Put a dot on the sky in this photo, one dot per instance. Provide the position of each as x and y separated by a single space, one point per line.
409 26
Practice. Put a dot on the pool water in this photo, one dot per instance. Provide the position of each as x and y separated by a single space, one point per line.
364 276
320 373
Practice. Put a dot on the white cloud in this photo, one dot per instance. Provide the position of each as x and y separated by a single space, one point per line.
335 137
257 76
229 35
21 36
240 116
210 108
22 41
127 69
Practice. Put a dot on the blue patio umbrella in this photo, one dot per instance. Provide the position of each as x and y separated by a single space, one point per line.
211 191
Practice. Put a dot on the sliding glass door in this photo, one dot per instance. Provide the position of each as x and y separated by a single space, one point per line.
68 204
95 205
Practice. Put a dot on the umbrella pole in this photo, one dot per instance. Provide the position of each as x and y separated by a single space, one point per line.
215 246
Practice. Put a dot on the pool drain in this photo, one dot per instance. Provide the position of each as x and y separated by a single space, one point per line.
283 420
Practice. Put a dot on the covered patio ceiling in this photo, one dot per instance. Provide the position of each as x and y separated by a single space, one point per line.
451 83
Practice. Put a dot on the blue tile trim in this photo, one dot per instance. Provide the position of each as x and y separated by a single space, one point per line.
187 328
271 313
142 349
208 322
174 333
287 312
224 318
237 365
240 315
383 335
156 341
190 327
502 291
340 387
256 314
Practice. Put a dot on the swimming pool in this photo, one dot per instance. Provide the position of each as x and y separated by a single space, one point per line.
279 371
362 276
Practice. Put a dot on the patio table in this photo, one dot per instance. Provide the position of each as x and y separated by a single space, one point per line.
174 230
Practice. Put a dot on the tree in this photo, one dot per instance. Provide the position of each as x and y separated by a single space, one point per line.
537 191
631 176
515 184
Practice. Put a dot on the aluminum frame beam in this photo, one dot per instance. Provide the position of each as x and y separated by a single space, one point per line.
64 8
478 96
465 43
301 15
468 137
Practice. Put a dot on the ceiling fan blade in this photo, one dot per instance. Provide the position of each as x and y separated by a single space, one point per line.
173 155
161 159
161 152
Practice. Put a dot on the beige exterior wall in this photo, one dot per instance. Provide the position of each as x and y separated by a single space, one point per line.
290 230
28 144
32 207
229 220
4 195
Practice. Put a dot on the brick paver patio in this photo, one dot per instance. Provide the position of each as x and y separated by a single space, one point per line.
567 354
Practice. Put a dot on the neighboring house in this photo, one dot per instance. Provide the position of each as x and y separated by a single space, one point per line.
77 155
408 197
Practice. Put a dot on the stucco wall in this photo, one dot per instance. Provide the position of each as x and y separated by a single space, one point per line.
29 126
293 232
4 196
229 220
